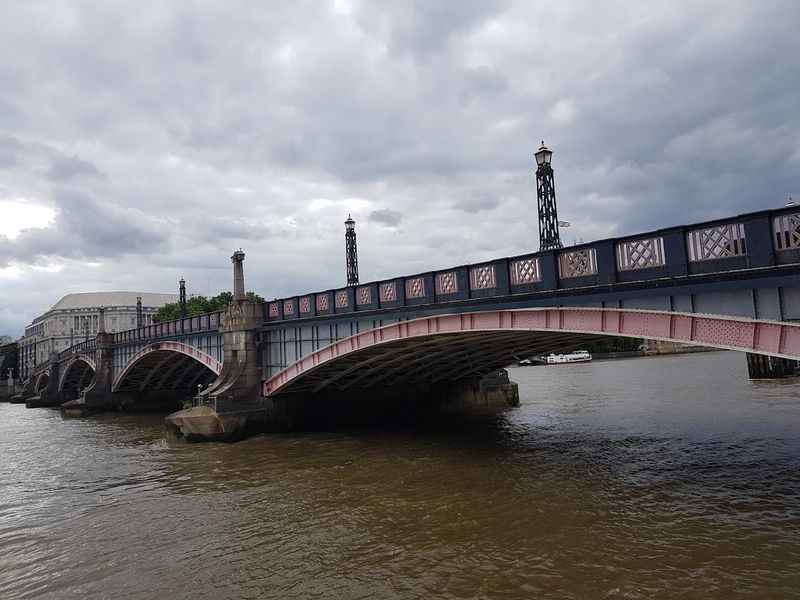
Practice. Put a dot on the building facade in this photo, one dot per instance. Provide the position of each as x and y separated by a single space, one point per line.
76 317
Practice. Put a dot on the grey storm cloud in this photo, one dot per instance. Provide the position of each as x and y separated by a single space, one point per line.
386 216
85 228
167 137
63 168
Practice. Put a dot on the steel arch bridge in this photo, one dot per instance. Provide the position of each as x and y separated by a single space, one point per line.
451 347
171 358
732 283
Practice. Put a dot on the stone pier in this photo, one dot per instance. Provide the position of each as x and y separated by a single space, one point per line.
232 403
760 366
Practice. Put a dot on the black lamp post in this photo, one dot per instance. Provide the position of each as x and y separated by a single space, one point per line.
351 252
182 297
549 238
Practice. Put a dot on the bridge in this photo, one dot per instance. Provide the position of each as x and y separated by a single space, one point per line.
436 336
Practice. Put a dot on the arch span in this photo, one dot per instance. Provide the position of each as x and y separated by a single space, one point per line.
78 374
167 366
451 347
41 382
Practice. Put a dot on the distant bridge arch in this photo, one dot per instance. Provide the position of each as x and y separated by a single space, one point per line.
41 382
76 375
455 346
168 365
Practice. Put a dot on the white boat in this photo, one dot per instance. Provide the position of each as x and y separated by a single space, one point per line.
578 356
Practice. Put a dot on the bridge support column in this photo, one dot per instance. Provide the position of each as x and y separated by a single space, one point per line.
760 366
233 403
97 397
489 395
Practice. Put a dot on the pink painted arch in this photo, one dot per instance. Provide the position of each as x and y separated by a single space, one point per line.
167 347
447 342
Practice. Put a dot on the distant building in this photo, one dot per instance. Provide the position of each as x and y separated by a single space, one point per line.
75 318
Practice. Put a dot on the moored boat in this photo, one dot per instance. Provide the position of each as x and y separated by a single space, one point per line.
578 356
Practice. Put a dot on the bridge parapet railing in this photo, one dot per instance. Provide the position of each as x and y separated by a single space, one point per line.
194 324
753 240
84 347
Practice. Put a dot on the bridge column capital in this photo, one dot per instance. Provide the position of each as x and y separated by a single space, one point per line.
242 315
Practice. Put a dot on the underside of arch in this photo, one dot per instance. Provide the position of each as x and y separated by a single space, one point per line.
455 347
163 369
41 382
78 375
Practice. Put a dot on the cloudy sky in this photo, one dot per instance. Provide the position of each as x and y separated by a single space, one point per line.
142 142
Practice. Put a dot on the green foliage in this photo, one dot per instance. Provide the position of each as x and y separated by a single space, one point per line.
199 305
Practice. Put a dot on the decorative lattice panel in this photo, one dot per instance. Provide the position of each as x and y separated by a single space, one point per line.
787 232
305 304
720 241
446 283
577 263
288 307
525 270
323 303
415 288
364 295
274 310
341 299
640 254
388 291
482 277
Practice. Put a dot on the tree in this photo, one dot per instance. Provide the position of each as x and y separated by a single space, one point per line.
199 305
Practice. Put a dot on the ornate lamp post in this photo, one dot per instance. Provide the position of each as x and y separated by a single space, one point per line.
182 292
549 238
351 252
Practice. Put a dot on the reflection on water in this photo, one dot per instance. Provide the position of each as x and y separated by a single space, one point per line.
647 478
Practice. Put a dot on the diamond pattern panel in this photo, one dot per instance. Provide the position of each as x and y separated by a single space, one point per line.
341 299
446 283
787 232
322 302
288 307
640 254
305 304
712 243
364 295
274 310
415 288
482 277
578 263
525 270
388 291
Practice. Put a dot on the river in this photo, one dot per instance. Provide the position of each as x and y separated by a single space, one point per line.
671 477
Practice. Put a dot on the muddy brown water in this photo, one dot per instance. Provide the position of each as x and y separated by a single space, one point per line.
645 478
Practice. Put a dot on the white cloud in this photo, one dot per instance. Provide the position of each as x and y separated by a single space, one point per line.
18 214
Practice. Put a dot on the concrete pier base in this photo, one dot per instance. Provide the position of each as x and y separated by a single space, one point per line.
204 424
43 400
760 366
78 408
